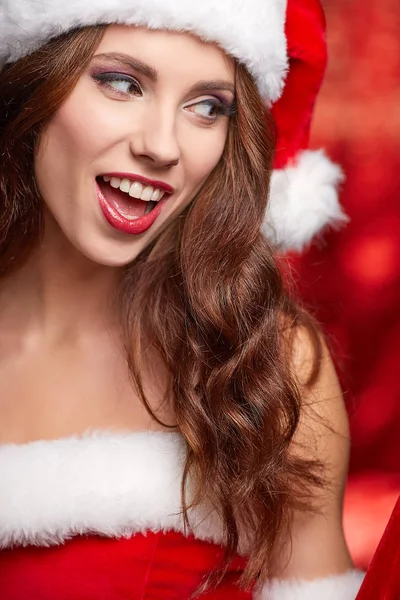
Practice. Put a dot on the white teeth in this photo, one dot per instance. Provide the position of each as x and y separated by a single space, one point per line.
125 185
147 193
136 189
115 182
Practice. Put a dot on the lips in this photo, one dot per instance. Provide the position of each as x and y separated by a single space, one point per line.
124 213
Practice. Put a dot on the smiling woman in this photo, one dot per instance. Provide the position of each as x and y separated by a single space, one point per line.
137 115
171 423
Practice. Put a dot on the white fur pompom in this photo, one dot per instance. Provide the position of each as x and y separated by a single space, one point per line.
303 200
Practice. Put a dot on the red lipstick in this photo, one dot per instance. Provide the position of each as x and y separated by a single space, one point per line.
121 223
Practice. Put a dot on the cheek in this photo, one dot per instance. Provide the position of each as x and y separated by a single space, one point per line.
203 152
80 131
62 148
69 138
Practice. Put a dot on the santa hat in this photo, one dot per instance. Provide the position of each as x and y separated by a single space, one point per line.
282 44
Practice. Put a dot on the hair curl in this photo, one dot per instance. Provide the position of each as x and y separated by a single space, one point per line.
207 294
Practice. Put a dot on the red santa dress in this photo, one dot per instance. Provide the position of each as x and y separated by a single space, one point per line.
97 517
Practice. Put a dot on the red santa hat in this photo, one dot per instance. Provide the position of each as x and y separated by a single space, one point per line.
282 44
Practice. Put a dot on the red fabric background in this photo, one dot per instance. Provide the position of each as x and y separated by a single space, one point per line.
353 281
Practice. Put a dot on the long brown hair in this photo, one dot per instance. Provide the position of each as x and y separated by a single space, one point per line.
207 293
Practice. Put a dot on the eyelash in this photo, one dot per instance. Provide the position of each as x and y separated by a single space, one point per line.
224 110
104 80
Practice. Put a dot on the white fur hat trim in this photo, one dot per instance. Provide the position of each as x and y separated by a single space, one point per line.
252 31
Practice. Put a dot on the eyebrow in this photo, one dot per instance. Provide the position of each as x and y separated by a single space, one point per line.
130 62
150 73
213 85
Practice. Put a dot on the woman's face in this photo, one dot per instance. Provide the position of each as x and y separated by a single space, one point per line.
134 142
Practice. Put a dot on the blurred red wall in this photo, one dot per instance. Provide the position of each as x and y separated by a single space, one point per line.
352 281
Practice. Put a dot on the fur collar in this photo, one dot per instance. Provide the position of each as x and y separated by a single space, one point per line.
112 484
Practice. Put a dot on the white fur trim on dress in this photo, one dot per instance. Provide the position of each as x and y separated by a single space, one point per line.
337 587
253 31
110 484
303 200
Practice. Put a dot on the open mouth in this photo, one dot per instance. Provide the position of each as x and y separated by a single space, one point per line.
131 199
129 205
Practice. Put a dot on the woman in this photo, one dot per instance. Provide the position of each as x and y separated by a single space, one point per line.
171 422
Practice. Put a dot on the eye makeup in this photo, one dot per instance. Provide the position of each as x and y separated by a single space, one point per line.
221 106
109 71
106 79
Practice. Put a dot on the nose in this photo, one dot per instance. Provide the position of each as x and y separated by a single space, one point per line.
155 140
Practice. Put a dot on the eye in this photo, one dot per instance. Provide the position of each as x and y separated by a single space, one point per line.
123 85
210 109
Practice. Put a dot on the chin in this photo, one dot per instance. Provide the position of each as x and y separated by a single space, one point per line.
108 254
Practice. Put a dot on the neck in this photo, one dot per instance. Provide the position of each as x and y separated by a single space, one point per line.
58 292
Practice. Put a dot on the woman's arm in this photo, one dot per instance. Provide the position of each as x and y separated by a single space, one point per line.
317 564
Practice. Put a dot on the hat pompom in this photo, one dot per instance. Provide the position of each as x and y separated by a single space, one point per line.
304 199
